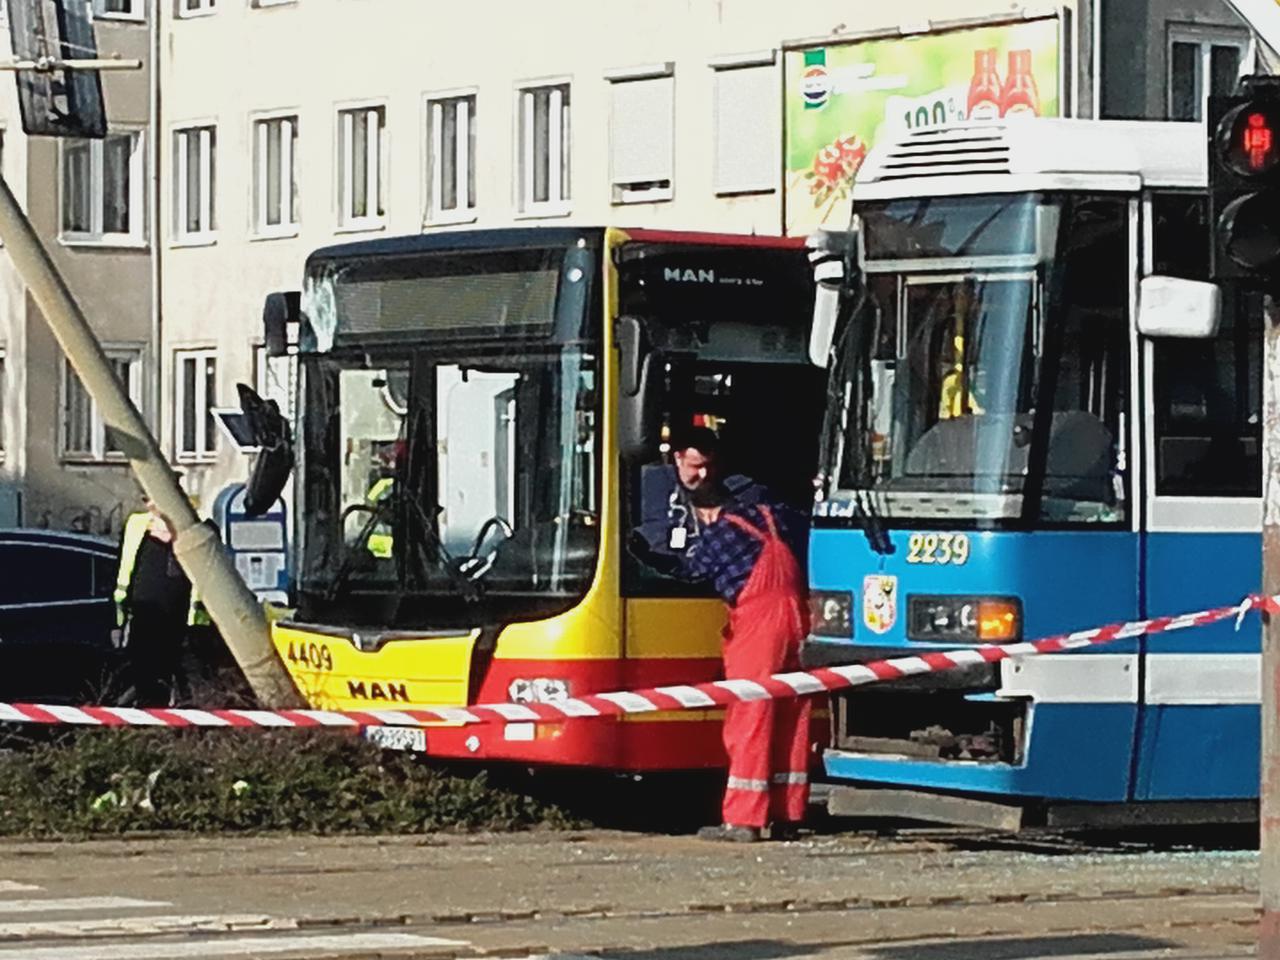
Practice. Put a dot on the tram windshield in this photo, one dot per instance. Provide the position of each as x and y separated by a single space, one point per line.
984 375
451 465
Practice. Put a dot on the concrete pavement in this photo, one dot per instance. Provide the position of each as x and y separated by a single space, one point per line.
640 897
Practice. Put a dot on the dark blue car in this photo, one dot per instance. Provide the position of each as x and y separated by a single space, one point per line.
56 614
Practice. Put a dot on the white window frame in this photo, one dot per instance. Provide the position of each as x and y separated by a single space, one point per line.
94 236
767 131
559 201
270 3
204 8
1206 38
134 354
375 193
207 158
434 104
258 128
206 438
137 12
660 79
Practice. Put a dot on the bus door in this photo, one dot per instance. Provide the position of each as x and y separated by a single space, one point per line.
728 331
1198 733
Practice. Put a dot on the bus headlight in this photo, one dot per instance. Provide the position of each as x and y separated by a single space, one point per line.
538 690
957 619
830 613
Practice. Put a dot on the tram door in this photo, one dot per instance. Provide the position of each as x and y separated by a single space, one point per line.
1198 733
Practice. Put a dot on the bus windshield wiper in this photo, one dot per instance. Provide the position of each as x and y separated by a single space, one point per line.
383 512
471 590
352 550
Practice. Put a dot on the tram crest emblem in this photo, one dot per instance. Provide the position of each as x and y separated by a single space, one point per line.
879 602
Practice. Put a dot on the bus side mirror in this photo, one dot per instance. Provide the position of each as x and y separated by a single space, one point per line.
273 462
637 416
278 311
830 257
1174 307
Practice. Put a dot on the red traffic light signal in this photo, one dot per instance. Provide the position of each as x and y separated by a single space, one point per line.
1244 183
1249 139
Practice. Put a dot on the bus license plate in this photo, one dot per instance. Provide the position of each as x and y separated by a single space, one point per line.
397 738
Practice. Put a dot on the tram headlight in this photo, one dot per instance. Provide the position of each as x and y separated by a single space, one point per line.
964 619
830 613
538 690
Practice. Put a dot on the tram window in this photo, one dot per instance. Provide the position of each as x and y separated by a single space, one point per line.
1208 406
1082 479
1180 235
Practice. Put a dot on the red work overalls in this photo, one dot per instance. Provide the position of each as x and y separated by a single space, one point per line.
767 740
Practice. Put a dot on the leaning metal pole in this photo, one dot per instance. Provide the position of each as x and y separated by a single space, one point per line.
1269 794
234 609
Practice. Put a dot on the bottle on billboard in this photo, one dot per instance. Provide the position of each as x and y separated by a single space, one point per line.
984 87
1020 96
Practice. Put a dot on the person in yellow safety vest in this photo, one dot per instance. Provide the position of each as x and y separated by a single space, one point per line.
956 395
382 540
155 605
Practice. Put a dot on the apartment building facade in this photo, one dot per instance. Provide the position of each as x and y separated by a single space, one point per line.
91 202
269 128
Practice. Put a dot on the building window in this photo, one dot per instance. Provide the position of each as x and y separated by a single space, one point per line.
544 149
195 175
275 182
196 8
102 189
1202 63
361 156
746 122
641 138
451 159
118 9
84 435
196 389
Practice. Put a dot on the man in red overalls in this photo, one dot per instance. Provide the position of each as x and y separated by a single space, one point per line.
752 554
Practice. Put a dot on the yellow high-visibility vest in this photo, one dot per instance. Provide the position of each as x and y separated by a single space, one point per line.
381 542
135 529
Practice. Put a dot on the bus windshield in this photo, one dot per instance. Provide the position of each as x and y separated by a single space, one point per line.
984 374
451 465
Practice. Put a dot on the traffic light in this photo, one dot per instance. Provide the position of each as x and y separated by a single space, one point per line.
1244 182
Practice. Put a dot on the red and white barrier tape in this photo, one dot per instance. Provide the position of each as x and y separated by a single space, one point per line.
685 697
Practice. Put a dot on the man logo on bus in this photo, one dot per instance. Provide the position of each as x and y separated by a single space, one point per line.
880 603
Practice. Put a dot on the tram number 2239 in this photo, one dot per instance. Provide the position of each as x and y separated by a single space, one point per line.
316 656
939 548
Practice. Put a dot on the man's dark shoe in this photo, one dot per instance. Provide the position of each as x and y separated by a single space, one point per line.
784 831
729 833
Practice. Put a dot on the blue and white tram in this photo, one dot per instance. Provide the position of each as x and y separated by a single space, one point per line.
1043 418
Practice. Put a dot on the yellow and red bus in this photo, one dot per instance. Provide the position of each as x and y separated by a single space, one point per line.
481 424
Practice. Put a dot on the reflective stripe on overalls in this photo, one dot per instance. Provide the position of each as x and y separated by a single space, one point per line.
767 740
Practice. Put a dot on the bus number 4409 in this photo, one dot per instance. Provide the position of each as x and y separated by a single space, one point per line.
316 656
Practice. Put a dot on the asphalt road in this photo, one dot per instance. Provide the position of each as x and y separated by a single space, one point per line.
614 894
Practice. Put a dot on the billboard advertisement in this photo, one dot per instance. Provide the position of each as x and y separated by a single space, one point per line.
842 99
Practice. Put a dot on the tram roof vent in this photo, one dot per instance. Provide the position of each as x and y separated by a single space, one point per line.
1066 150
942 151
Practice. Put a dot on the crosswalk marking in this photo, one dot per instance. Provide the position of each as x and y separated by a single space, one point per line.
232 947
137 926
67 904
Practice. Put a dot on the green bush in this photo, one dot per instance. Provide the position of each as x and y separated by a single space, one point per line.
111 781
